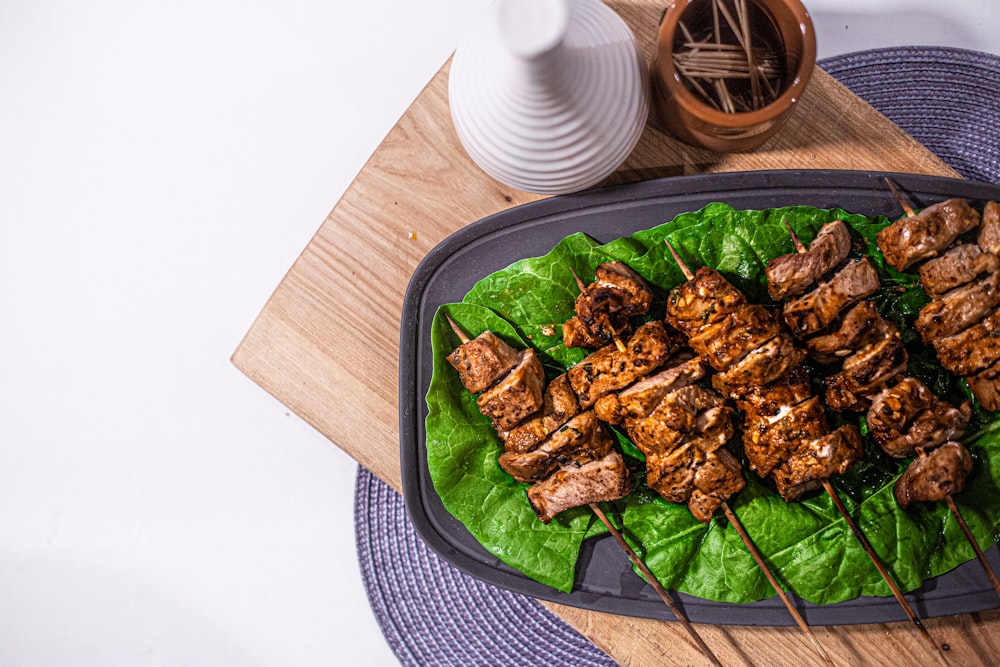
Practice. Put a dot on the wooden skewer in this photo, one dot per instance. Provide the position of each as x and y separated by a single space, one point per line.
902 202
759 559
655 583
616 534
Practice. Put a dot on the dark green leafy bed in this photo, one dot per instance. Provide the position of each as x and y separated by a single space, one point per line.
806 542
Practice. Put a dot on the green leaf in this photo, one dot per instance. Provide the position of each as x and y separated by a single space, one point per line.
807 543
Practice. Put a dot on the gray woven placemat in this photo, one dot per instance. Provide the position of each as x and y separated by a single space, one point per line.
434 615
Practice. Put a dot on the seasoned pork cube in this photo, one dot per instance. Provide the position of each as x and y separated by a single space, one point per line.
728 341
769 441
864 373
958 309
517 396
482 361
639 400
861 325
716 480
912 239
818 460
814 311
603 307
934 477
793 274
705 299
908 415
973 350
764 365
989 230
609 369
558 405
958 266
579 440
603 480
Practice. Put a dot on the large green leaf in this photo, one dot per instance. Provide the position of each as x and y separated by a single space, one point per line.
806 543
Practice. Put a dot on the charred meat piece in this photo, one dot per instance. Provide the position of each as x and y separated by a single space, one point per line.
482 361
517 396
725 343
639 400
817 460
705 299
973 350
989 229
908 415
959 309
572 486
986 390
864 373
770 441
766 364
933 477
579 440
715 481
605 305
924 235
773 399
608 369
671 473
576 334
558 405
675 417
961 264
861 325
814 311
793 274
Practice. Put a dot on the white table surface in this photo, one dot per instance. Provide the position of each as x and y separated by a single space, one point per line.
161 167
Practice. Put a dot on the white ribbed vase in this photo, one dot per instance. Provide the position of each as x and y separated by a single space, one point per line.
549 96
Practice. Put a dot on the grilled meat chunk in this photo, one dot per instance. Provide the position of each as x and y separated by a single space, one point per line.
572 486
912 239
817 460
793 274
961 264
718 478
517 396
989 229
864 372
675 417
770 441
576 334
812 312
773 400
608 369
973 350
579 440
727 342
558 405
861 325
705 299
986 389
908 415
958 309
639 400
933 477
604 306
482 361
766 364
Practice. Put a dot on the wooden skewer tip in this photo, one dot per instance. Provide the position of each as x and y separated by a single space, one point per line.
680 262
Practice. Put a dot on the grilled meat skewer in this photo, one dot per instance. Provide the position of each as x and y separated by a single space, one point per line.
812 463
923 235
585 480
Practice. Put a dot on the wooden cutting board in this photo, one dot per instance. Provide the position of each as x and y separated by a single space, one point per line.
326 342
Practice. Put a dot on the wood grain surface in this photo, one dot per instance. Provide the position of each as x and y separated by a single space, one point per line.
419 187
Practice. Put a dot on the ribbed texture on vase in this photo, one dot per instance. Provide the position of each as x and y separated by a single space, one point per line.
557 123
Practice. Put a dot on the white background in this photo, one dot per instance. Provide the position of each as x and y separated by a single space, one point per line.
162 164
